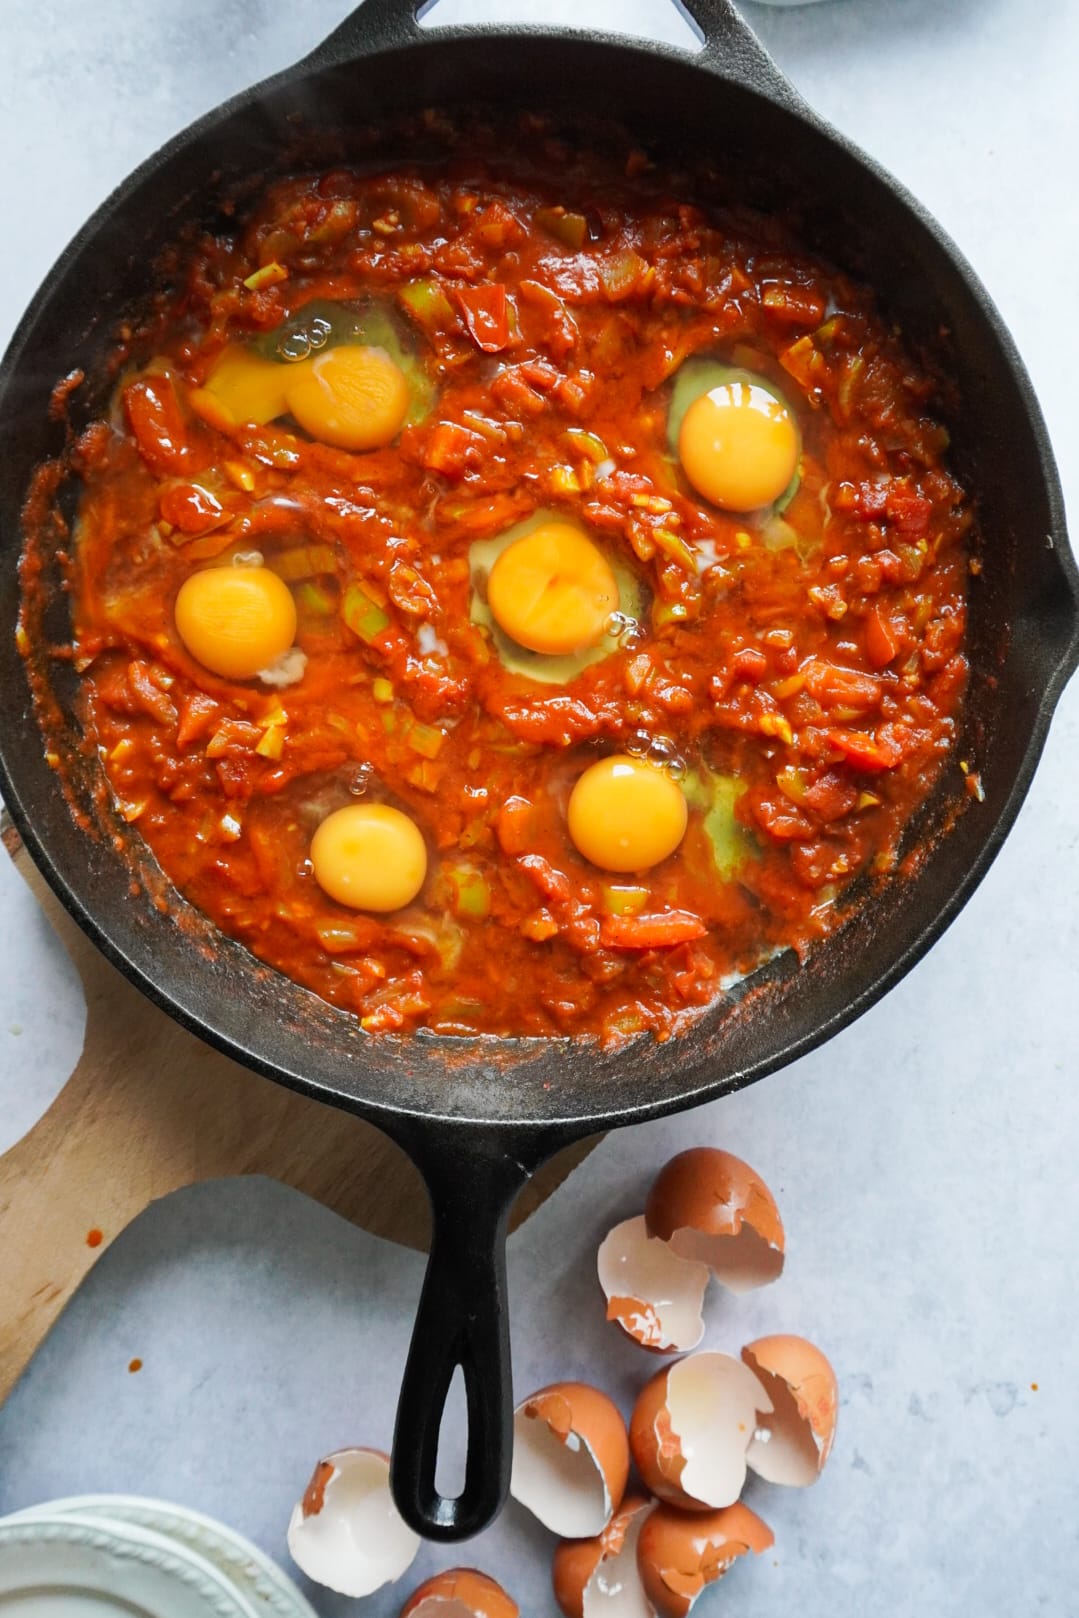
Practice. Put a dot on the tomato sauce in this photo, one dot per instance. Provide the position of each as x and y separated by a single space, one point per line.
798 672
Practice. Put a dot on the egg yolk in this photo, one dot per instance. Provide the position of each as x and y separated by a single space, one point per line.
370 857
250 388
739 446
552 590
626 814
352 397
236 621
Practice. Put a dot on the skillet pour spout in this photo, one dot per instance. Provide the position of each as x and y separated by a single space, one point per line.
478 1118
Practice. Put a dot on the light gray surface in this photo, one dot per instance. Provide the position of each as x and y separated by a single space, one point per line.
924 1160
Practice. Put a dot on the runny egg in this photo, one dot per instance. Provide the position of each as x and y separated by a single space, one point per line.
369 856
735 435
626 814
739 446
235 621
553 590
354 397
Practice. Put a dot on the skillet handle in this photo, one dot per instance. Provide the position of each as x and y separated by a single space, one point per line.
463 1322
732 49
374 25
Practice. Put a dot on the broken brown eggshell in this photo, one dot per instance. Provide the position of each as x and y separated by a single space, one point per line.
598 1577
691 1429
793 1440
346 1533
678 1556
570 1458
654 1295
714 1209
460 1592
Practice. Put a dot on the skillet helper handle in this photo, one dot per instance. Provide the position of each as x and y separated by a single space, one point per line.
732 49
374 25
463 1322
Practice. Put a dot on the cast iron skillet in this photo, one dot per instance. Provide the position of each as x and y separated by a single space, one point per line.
478 1117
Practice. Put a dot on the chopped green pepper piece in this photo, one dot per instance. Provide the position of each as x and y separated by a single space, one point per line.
471 894
428 305
304 562
425 739
313 599
668 612
619 899
568 228
382 689
363 616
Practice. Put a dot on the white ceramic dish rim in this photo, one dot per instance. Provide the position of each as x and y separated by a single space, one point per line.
134 1566
256 1576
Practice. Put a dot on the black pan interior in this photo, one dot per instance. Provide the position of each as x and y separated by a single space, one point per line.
1023 619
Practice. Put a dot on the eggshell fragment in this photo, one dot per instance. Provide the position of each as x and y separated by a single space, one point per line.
792 1444
598 1578
654 1295
460 1592
677 1556
570 1458
691 1428
712 1207
346 1533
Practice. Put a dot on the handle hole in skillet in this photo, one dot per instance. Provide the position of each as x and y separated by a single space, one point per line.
453 1440
666 21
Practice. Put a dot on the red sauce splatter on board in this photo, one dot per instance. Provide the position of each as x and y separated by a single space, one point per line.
95 1237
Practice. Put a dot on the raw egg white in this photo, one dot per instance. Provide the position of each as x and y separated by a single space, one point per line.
352 397
235 621
553 590
626 814
369 856
739 446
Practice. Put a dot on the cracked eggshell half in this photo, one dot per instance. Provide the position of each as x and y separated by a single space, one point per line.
793 1441
598 1577
692 1426
570 1458
655 1296
679 1556
711 1207
460 1592
346 1533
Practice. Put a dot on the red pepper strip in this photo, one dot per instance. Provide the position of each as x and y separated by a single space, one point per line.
191 508
661 931
197 713
153 414
865 752
881 642
834 686
486 316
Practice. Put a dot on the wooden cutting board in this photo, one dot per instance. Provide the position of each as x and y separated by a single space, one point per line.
150 1108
